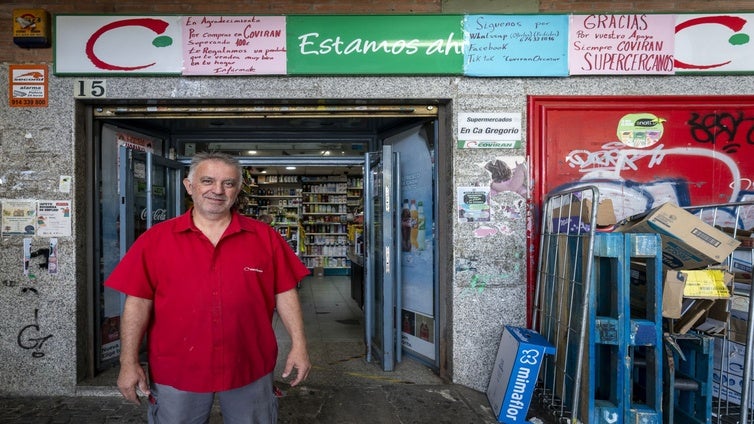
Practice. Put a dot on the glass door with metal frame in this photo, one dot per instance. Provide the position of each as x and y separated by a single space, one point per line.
138 189
382 297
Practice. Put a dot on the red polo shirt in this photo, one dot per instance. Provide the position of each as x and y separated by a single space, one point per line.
211 327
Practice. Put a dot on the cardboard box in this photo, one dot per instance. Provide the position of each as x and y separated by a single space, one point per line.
698 299
514 376
737 329
705 315
687 241
576 216
727 372
741 263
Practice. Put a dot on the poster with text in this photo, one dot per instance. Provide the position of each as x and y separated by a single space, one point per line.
516 45
473 204
621 45
19 217
54 218
234 45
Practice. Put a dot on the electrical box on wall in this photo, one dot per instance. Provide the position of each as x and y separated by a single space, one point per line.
31 28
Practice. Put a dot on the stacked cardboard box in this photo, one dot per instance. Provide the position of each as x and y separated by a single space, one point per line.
694 294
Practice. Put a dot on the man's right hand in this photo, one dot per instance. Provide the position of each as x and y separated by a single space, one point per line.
131 378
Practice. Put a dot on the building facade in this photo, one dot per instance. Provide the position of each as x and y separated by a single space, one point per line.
46 322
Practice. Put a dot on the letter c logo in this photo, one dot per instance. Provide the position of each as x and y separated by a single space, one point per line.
156 25
734 23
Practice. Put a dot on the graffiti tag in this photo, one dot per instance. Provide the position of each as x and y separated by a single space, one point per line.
30 337
722 126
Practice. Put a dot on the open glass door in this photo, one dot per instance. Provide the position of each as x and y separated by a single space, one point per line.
382 285
419 323
138 189
401 287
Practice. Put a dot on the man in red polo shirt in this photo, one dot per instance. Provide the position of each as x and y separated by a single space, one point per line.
203 287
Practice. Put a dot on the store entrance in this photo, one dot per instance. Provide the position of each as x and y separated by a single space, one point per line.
306 172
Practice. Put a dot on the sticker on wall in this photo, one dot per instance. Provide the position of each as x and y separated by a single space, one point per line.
52 259
54 218
473 204
64 183
26 254
507 175
640 129
19 217
28 86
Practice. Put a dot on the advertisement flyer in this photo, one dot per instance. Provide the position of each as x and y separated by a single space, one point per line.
473 204
54 218
18 217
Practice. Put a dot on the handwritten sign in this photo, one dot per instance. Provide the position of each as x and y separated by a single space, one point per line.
417 45
621 44
509 45
714 43
234 45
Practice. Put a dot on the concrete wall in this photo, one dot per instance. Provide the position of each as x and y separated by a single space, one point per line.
44 318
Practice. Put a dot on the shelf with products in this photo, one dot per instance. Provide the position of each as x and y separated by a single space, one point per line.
354 193
323 220
277 199
279 196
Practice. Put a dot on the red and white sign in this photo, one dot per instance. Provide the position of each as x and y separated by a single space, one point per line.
170 45
28 86
714 43
118 44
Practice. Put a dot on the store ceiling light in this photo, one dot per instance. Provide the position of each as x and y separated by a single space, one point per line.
290 168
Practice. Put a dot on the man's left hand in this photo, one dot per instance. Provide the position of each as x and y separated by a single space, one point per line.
298 359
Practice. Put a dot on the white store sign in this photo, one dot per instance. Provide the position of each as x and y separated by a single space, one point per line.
489 126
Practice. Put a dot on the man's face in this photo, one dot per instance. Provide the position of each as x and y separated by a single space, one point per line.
213 188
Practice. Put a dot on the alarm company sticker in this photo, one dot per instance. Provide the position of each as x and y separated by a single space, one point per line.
29 91
28 86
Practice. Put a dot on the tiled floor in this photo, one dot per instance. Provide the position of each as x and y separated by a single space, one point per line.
334 325
329 312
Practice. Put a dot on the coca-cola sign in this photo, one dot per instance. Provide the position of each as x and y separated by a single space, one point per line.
157 215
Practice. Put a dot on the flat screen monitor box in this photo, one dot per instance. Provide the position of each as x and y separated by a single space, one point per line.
514 376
